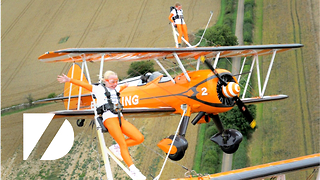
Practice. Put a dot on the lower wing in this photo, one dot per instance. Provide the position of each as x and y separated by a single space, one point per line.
128 112
254 100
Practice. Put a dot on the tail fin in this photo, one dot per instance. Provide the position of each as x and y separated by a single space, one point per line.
73 90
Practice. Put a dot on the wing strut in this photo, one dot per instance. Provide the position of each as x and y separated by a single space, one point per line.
181 66
248 79
243 63
268 73
80 88
256 60
258 74
175 34
216 60
87 70
164 70
69 99
84 66
101 67
198 63
105 151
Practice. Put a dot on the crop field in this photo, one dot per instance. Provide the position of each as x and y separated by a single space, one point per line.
289 128
84 159
286 129
37 26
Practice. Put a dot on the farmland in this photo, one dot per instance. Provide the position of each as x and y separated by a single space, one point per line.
38 26
286 129
289 128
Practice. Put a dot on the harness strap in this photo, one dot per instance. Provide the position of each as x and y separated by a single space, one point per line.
110 105
177 16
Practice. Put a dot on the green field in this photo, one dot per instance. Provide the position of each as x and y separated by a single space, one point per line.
288 128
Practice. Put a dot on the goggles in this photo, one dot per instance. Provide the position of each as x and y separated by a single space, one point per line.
112 81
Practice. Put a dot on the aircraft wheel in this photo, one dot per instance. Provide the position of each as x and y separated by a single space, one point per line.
177 156
180 144
230 149
80 122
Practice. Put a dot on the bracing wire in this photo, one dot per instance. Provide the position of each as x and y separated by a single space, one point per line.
251 90
163 157
174 138
313 173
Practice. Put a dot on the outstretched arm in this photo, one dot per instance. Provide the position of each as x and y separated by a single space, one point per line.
64 78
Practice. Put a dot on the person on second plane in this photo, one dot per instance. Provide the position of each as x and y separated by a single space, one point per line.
177 19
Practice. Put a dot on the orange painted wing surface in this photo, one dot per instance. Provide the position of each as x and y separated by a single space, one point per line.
128 112
139 54
264 170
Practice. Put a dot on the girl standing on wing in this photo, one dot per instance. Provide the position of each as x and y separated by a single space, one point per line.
176 18
111 120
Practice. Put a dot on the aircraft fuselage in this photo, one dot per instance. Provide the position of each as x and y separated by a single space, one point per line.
200 93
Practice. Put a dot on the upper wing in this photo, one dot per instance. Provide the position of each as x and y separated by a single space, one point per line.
138 54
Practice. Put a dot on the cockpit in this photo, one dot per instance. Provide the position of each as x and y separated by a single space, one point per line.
148 77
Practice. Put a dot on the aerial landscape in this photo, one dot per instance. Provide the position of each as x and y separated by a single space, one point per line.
286 129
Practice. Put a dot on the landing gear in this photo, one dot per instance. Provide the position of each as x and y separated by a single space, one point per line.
230 149
180 143
227 139
178 149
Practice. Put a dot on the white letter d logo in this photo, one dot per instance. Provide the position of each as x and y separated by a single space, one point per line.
34 125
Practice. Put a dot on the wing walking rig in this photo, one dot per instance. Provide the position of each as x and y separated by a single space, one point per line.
207 92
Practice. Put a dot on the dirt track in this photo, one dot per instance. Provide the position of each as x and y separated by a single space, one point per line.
37 26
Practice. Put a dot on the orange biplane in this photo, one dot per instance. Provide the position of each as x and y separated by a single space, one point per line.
206 92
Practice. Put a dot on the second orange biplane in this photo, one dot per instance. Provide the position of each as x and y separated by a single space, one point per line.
207 92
